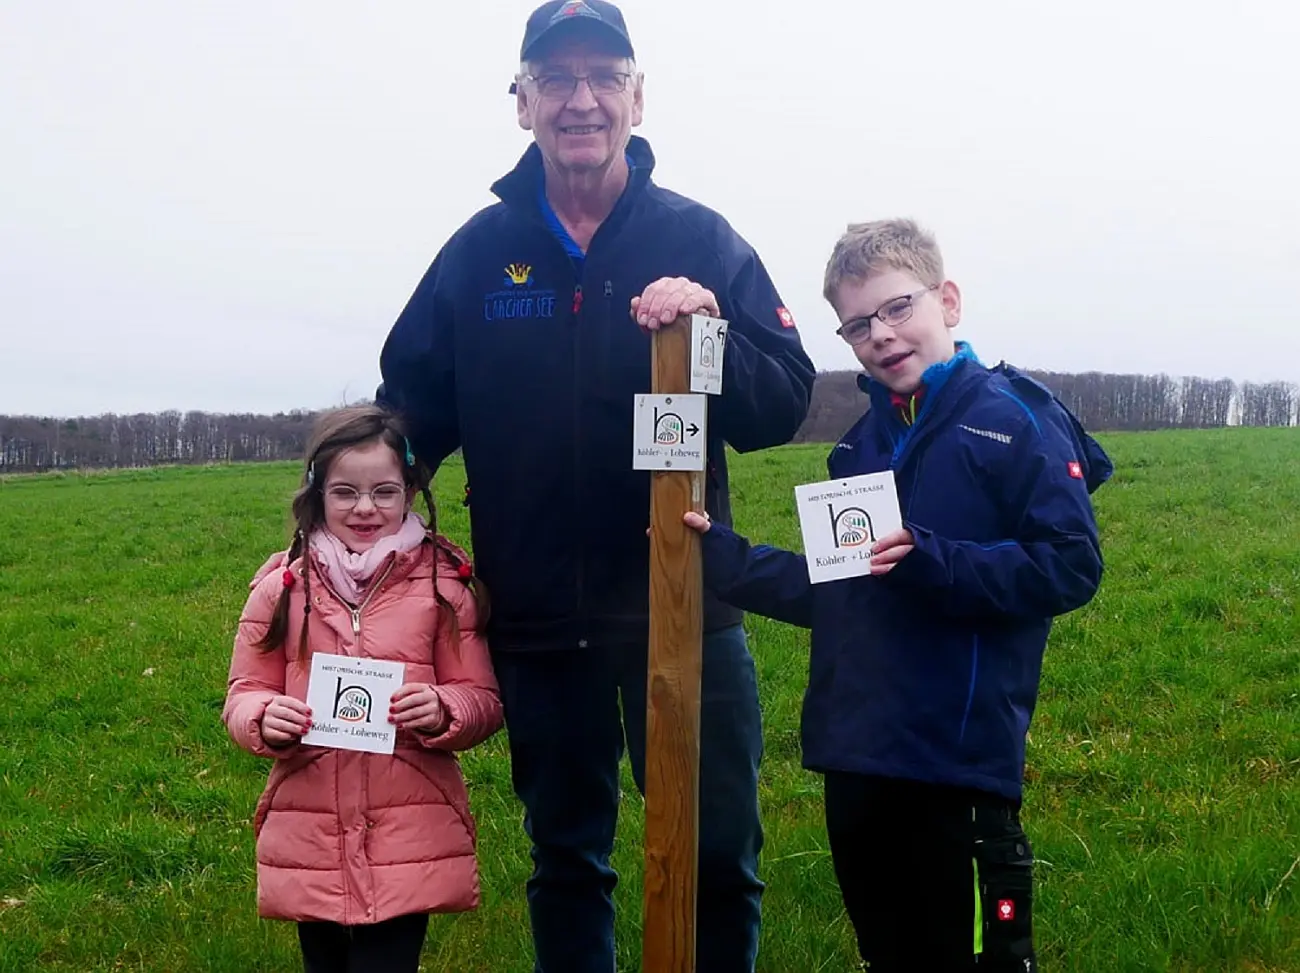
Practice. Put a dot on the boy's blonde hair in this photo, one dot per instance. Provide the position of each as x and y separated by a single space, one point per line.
869 248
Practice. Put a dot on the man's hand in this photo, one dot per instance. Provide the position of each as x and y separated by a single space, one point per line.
285 720
891 549
416 706
669 297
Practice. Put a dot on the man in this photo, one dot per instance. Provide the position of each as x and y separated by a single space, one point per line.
517 348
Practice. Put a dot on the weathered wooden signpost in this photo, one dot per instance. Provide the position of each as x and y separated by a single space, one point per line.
671 442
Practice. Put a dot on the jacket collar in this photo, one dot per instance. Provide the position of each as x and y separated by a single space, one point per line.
519 187
933 380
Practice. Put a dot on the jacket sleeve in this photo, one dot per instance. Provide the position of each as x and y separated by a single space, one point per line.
763 580
1050 565
418 365
466 685
767 377
256 677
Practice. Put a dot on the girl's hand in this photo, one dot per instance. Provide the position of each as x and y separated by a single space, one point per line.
891 549
285 720
416 706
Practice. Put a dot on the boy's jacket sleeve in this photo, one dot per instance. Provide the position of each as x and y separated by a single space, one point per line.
767 376
763 580
417 366
1053 563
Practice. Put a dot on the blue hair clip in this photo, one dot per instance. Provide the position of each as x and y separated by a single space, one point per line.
410 456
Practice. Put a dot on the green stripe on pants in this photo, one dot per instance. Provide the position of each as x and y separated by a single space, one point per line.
979 910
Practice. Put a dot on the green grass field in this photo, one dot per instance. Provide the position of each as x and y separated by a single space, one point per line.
1164 760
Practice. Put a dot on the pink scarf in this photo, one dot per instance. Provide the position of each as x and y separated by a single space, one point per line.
349 573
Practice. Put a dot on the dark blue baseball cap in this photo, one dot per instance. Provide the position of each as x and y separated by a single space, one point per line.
558 18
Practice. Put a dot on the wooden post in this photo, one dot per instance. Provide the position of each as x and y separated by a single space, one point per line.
672 761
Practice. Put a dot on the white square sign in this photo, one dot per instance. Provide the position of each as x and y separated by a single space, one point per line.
668 432
708 342
349 700
841 519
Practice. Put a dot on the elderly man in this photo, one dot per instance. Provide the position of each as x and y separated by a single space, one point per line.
521 346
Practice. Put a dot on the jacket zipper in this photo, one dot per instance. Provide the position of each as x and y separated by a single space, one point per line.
581 553
580 580
355 611
374 590
924 427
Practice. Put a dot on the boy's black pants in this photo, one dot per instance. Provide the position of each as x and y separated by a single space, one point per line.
384 947
934 878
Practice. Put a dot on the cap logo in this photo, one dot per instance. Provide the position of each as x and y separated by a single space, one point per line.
574 8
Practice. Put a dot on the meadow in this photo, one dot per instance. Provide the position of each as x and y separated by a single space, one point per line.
1163 793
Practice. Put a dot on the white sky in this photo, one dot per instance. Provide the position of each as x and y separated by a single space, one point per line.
224 206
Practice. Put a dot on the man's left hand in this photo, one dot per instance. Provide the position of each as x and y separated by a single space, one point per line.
669 297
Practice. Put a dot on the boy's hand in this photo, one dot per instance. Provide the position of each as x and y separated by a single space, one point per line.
285 720
891 549
416 706
699 523
662 301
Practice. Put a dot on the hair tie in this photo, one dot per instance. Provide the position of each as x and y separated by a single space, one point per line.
287 578
466 571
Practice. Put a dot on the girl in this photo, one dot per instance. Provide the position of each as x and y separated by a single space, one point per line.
358 848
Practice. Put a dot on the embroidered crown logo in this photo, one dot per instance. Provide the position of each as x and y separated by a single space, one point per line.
519 274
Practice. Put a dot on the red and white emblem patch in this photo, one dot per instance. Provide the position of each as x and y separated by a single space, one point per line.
787 319
1076 470
1006 910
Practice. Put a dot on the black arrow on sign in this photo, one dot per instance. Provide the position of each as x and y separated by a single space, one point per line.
693 429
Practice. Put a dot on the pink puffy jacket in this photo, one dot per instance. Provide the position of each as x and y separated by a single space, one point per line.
351 837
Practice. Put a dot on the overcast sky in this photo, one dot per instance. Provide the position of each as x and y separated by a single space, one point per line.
224 206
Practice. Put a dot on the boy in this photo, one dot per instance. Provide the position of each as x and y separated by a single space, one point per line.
925 673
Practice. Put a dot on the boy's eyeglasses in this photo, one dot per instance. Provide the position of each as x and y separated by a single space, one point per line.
894 312
559 85
385 496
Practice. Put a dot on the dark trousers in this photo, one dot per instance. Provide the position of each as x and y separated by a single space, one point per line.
567 736
385 947
933 878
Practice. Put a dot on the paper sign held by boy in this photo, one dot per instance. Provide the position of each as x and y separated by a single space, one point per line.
349 700
841 519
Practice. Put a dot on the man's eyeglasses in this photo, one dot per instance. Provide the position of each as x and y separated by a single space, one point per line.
894 312
559 85
385 496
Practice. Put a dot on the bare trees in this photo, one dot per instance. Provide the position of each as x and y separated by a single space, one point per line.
1102 402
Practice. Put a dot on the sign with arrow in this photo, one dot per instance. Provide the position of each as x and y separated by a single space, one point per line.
708 342
669 432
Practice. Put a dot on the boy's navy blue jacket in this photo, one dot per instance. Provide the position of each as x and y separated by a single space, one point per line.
931 672
522 352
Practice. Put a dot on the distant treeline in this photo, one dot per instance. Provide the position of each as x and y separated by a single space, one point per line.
1102 402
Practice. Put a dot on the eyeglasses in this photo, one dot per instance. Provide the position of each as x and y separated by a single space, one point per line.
894 312
385 496
559 85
